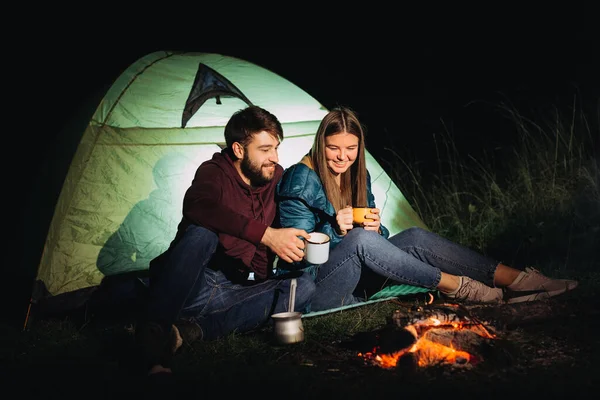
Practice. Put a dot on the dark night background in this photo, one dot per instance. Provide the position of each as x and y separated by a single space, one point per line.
403 84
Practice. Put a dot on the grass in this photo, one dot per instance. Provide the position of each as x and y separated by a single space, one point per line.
536 206
540 206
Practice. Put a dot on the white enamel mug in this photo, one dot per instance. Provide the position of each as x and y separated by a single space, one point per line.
317 248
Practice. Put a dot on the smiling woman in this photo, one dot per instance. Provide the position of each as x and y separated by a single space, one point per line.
314 195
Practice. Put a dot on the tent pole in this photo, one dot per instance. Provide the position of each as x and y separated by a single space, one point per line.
27 315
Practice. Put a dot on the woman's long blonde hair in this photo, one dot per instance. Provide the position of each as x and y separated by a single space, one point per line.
353 183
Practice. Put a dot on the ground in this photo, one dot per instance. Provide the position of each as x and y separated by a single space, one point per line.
553 356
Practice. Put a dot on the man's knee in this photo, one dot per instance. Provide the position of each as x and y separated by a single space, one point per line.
201 236
201 233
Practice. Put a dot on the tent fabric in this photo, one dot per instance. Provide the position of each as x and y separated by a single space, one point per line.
120 202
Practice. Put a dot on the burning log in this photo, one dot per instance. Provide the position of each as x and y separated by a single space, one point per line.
464 339
434 346
446 333
455 334
495 318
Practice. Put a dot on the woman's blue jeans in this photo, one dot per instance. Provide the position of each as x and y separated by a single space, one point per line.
184 287
414 256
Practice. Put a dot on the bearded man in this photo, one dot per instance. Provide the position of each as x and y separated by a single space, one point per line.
200 286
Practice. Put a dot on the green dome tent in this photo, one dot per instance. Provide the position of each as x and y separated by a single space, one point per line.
120 202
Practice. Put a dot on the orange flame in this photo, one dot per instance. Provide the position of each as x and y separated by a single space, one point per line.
427 352
430 299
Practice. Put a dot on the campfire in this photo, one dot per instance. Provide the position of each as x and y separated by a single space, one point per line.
442 334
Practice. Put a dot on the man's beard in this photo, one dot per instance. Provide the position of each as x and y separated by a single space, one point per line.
254 172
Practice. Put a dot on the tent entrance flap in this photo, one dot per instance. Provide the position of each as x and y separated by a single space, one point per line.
209 83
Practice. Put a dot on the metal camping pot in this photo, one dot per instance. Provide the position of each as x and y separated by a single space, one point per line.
287 327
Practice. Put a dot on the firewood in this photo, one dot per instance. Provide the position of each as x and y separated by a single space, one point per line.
463 339
496 317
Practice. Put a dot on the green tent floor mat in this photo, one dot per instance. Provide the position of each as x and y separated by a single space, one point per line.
387 293
398 290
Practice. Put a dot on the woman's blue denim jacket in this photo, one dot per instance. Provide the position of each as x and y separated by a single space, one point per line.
303 204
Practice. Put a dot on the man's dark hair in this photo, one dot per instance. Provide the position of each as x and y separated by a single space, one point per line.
246 122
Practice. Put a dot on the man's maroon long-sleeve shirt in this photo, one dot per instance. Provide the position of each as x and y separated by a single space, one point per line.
218 199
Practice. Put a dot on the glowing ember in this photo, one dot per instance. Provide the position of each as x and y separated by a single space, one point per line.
426 352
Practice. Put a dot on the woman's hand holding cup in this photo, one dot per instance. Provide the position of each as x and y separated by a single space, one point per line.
367 217
344 219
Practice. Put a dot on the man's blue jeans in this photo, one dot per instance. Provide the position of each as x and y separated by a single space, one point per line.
414 256
185 288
